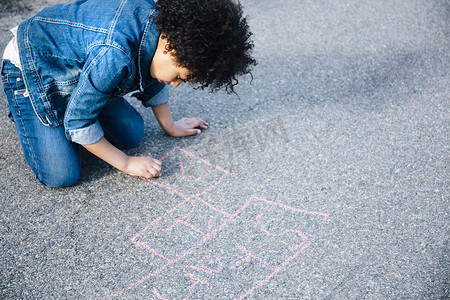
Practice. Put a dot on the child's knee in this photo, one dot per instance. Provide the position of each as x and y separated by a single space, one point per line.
138 134
134 131
60 178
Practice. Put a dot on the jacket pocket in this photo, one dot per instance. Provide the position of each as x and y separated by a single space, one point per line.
59 94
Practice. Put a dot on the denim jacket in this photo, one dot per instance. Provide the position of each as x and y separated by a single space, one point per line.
76 56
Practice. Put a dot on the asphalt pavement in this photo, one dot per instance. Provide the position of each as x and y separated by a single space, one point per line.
327 177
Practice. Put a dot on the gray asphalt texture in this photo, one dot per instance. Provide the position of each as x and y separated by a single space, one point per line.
327 178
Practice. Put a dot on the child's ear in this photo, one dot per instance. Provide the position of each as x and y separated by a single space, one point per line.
164 42
168 49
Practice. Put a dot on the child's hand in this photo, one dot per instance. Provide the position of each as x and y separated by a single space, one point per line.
143 166
187 126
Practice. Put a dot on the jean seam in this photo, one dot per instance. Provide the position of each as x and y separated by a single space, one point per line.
5 79
7 86
15 93
30 149
17 105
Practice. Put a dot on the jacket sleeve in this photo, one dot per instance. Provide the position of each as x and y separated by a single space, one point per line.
154 94
103 71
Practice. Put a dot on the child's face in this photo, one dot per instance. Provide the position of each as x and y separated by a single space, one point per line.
165 69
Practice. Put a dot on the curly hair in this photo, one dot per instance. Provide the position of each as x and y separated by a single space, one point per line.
210 38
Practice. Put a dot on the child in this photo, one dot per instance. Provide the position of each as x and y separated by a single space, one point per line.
67 68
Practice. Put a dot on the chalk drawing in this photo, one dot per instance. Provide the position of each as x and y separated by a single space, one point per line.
212 249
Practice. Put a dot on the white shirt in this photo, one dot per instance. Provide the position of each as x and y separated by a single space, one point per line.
12 50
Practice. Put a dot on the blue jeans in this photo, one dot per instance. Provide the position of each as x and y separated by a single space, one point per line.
53 159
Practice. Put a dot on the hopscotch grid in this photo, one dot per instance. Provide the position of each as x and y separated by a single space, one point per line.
210 233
